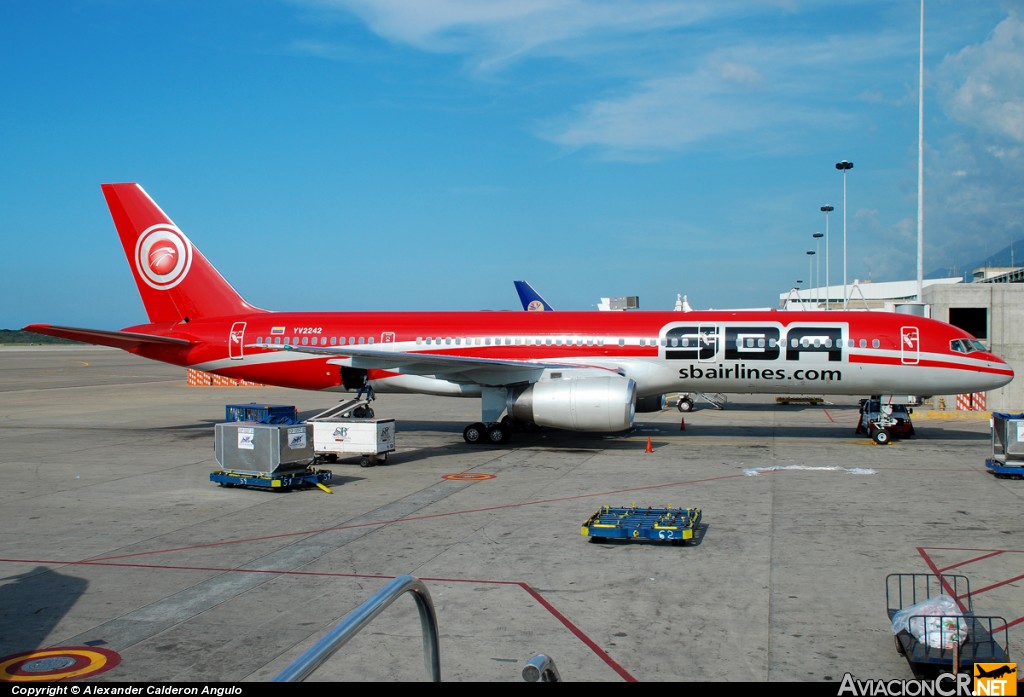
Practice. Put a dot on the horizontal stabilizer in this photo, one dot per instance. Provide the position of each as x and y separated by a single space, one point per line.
103 337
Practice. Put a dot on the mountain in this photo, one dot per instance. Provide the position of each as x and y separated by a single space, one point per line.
1010 255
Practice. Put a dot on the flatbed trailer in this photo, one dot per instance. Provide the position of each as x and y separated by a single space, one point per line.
276 481
675 525
942 641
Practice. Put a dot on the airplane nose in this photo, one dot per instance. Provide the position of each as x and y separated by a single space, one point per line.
1000 372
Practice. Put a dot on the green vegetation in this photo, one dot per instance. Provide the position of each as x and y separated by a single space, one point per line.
16 336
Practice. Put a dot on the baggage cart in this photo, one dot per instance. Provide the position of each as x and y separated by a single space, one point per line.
1007 461
371 439
263 449
674 525
935 628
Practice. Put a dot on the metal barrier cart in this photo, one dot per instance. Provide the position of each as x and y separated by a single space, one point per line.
935 632
1007 461
675 525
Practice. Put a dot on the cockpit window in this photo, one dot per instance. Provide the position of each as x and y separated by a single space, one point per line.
966 345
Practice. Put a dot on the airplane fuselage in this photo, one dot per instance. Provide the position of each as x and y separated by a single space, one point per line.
855 353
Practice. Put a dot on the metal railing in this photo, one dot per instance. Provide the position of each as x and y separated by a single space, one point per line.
304 665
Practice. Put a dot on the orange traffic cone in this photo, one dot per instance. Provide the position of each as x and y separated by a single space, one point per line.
682 423
649 448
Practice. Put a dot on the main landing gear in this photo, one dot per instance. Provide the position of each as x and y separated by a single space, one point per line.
496 434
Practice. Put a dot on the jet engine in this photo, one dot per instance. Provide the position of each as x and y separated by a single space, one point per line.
604 403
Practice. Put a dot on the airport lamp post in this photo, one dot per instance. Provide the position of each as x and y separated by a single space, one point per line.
817 262
826 209
810 273
844 167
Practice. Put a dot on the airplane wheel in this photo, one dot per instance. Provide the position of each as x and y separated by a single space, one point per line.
498 434
685 404
474 433
881 437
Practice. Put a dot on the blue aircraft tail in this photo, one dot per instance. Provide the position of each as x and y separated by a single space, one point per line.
530 298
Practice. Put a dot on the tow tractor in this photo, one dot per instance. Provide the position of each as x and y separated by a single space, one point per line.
885 417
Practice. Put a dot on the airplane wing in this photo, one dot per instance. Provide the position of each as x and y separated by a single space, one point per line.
470 369
103 337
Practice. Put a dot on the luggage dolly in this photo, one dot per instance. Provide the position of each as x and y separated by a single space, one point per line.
675 525
279 481
934 634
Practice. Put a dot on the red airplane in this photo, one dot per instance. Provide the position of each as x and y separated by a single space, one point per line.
582 371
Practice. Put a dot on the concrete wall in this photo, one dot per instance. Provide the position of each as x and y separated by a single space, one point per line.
1005 303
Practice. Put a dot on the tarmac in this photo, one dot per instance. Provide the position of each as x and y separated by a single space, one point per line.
121 559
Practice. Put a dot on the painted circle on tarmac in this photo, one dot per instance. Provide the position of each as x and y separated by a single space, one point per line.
469 477
61 663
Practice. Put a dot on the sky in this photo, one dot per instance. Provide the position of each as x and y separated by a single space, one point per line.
424 154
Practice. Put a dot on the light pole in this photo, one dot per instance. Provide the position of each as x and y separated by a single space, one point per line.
817 261
920 164
843 167
826 209
810 273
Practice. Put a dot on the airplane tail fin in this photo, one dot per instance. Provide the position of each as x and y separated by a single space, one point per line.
176 282
530 298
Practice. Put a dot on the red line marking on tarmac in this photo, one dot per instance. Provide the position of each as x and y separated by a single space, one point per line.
415 518
628 677
828 414
965 562
592 645
990 553
552 610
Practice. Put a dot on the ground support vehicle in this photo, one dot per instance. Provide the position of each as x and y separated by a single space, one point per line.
935 627
341 431
675 525
883 419
1007 461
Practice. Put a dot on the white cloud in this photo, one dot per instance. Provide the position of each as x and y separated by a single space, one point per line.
498 31
983 85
